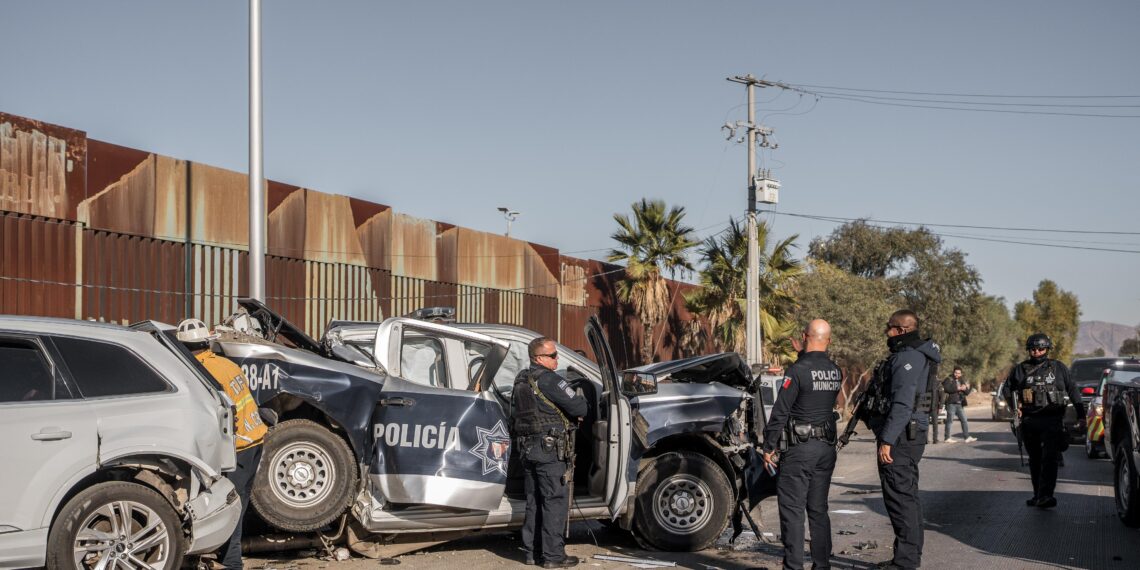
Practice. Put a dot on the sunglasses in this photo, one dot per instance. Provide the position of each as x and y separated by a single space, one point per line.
552 355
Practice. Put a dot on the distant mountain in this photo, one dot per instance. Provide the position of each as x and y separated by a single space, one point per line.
1099 334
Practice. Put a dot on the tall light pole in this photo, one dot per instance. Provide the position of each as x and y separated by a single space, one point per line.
510 215
256 176
753 339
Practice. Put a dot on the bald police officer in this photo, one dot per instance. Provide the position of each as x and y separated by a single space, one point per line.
804 414
545 410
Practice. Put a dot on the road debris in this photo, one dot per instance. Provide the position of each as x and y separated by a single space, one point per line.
636 562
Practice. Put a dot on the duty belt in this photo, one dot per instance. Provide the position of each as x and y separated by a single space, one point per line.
798 433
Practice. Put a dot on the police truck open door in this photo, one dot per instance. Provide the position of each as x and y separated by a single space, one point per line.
441 436
618 416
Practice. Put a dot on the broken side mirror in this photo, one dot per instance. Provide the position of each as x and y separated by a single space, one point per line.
638 384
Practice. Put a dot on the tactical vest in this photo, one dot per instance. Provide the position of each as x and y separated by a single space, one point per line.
879 399
528 418
1039 390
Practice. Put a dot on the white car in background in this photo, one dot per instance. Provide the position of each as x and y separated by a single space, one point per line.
115 443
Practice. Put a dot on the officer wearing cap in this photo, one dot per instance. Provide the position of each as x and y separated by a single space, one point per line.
545 410
804 414
249 432
1036 389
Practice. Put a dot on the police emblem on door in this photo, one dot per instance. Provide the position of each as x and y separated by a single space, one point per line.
493 447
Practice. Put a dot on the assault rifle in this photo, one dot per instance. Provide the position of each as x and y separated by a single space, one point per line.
1015 426
857 412
571 454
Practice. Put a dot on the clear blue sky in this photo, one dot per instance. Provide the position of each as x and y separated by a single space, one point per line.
570 111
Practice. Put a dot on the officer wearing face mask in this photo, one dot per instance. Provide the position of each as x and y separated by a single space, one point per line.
900 399
1036 391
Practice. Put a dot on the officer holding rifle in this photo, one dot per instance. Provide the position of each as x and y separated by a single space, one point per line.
546 409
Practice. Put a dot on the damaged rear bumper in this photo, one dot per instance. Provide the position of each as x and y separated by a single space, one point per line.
214 514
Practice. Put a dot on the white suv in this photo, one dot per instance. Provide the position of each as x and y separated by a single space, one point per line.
115 442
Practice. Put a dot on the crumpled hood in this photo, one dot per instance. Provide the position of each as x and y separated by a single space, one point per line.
728 368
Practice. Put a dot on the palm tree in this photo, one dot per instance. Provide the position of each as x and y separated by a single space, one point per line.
722 296
652 241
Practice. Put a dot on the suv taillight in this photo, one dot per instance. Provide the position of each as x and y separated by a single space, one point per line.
226 420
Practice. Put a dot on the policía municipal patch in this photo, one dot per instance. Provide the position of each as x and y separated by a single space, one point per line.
787 383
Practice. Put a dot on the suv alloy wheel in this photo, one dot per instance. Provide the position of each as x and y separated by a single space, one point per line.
116 525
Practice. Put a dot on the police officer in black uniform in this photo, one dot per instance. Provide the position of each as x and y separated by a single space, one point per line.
805 415
546 409
1036 389
899 404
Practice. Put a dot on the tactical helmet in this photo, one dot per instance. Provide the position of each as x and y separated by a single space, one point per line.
194 330
1038 340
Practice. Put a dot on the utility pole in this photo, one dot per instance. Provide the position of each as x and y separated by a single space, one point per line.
754 341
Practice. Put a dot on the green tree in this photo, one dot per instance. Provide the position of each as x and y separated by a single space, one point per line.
988 343
934 281
652 241
871 251
856 307
1052 311
1129 347
722 296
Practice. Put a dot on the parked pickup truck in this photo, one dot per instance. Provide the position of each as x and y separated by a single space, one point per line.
1122 442
405 425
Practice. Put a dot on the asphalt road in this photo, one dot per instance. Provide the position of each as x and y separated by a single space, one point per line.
973 498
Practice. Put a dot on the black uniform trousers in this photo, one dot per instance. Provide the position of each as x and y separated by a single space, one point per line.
900 494
229 554
1043 437
804 478
546 510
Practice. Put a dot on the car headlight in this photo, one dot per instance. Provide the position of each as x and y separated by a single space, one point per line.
1001 403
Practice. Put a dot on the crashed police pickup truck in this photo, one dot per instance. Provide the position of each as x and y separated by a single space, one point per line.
404 424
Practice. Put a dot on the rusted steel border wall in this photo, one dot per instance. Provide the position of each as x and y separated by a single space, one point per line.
90 229
54 267
37 265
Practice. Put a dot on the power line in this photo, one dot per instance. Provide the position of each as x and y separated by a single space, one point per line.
859 99
998 104
976 238
872 100
962 226
805 85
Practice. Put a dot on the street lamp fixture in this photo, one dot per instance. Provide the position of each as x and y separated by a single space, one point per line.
510 215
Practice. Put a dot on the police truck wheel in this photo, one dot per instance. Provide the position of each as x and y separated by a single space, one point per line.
306 478
116 525
683 502
1127 486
